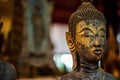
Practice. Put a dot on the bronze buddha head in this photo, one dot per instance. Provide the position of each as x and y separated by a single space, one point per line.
86 40
87 34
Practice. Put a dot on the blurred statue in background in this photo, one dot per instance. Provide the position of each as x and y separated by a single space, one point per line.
7 71
38 52
86 40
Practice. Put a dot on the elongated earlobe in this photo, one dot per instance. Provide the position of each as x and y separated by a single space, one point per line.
70 42
71 46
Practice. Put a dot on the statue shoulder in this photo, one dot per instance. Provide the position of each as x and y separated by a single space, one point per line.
109 76
69 76
65 77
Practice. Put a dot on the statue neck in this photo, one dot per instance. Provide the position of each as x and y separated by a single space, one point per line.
86 67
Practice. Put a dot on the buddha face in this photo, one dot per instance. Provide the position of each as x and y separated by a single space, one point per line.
90 39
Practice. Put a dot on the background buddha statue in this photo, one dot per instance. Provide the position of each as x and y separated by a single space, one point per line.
7 70
86 40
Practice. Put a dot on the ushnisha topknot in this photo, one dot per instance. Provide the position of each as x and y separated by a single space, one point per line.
86 11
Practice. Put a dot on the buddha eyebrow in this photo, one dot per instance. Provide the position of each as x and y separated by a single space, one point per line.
102 30
86 29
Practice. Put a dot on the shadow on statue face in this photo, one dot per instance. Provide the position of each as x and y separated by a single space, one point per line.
90 39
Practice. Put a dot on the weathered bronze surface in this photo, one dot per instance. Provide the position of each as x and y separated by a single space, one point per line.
86 40
7 71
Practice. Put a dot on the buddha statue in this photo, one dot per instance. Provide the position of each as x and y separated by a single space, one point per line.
7 70
86 40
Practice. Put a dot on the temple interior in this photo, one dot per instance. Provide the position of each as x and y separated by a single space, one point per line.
33 37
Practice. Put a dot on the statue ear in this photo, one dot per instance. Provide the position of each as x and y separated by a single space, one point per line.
72 48
69 39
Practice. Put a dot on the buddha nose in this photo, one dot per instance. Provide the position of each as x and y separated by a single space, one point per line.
97 42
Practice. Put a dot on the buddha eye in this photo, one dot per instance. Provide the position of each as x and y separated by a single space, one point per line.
86 35
89 35
102 34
